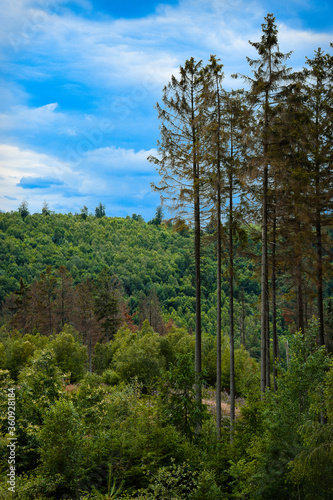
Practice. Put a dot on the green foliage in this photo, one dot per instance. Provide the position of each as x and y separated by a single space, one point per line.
23 209
40 384
84 212
246 372
107 303
177 393
157 220
290 442
137 355
113 492
111 377
70 355
100 211
102 356
61 450
143 256
181 481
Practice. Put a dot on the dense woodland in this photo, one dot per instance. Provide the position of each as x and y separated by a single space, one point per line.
185 358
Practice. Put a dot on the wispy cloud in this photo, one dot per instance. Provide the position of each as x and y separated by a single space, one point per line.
106 174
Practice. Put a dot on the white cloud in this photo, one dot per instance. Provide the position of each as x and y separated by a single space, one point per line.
106 174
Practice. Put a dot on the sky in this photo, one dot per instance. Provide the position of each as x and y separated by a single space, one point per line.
79 80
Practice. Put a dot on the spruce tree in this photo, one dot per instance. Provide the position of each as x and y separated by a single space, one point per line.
319 101
269 71
180 167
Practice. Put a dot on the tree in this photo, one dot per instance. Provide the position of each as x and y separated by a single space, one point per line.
62 447
23 209
157 220
85 320
21 307
267 76
43 295
213 76
319 101
291 444
45 209
150 309
65 298
84 212
180 167
70 355
100 211
107 300
178 397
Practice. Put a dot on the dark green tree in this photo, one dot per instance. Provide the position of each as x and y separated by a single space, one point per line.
157 220
100 211
107 303
84 212
23 209
45 209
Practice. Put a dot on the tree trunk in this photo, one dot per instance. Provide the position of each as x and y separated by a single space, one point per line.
320 279
197 255
275 339
231 293
219 271
243 320
299 295
264 287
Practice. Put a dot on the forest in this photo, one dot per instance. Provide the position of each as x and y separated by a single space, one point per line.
186 357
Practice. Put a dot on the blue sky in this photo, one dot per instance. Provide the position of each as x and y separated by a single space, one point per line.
79 80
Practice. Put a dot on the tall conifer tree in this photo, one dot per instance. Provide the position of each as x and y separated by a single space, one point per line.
319 100
269 71
180 167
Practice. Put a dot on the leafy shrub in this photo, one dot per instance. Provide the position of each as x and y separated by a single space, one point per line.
70 355
111 377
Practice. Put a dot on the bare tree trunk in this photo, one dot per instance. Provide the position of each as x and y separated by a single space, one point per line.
243 320
231 309
264 287
219 271
299 294
264 259
275 339
198 395
320 280
268 344
197 255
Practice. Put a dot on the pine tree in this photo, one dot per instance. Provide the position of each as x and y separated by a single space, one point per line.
319 94
100 211
65 299
85 320
107 303
212 101
180 167
267 76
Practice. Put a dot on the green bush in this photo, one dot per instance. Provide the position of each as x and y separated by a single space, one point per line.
61 450
111 377
70 355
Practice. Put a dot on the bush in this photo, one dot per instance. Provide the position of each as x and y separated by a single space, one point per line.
70 355
111 377
61 450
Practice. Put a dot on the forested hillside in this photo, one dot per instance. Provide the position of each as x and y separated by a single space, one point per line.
146 259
